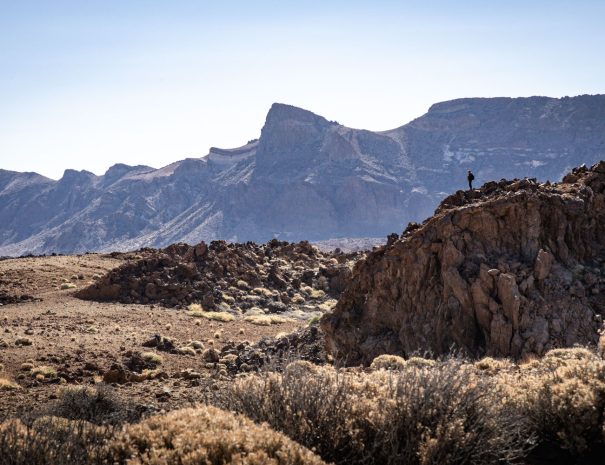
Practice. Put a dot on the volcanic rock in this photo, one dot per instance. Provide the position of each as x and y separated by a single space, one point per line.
512 269
219 273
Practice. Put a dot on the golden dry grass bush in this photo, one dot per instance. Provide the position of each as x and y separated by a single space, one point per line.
206 435
263 291
388 362
215 316
265 320
425 414
152 358
43 372
195 308
492 366
327 305
8 385
228 299
51 440
564 398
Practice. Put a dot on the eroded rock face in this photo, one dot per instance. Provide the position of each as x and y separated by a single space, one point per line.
513 269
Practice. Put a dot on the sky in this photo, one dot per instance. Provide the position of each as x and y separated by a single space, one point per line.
87 84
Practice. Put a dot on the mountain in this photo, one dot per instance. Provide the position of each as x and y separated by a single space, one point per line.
513 269
304 178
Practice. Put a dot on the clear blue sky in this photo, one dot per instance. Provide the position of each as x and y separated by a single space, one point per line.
86 84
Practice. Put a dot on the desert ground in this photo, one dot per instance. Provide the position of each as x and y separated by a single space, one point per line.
79 341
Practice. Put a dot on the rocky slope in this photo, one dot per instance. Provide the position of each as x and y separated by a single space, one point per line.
243 280
305 178
513 269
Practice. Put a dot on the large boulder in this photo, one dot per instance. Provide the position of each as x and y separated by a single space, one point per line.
513 269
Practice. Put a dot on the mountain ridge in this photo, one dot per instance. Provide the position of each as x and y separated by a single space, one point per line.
305 178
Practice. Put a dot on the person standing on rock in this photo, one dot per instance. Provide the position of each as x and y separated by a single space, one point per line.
470 176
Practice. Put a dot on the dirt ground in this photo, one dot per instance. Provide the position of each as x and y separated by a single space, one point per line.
81 340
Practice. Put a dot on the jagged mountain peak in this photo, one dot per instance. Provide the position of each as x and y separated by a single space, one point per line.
71 176
120 169
281 112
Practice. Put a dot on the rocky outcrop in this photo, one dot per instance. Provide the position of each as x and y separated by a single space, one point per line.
269 278
305 178
513 269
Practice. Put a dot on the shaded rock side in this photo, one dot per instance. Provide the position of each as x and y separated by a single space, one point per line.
512 269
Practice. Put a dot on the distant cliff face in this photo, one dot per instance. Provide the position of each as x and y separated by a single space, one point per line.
305 178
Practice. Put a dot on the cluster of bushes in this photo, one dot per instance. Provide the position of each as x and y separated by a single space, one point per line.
412 412
203 435
423 412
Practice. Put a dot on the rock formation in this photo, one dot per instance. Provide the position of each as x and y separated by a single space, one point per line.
268 278
513 269
305 178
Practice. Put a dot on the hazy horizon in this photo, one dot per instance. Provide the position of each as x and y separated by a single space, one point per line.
88 86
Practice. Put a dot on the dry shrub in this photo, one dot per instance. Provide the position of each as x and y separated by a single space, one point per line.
562 396
51 440
566 400
8 385
388 362
151 358
216 316
492 366
441 414
96 404
43 372
206 435
265 320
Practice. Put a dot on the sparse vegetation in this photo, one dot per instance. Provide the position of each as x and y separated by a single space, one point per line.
388 362
96 404
43 372
207 435
8 385
216 316
265 320
397 411
442 414
152 358
52 440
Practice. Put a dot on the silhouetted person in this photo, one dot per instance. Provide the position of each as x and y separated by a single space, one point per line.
470 176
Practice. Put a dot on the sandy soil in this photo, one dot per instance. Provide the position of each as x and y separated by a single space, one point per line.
81 340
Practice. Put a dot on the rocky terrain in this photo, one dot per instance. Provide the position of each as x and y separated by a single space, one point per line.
343 182
515 268
125 356
157 323
249 279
